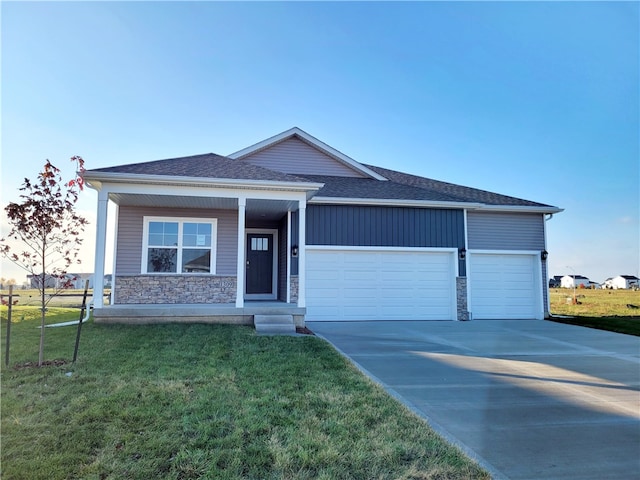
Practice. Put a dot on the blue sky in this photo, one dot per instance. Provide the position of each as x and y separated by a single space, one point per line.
539 100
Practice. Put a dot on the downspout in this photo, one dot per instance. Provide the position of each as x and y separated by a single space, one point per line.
548 217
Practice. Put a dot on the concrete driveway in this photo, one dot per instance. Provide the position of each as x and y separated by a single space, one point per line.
528 399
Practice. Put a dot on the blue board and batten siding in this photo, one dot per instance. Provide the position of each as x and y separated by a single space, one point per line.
373 226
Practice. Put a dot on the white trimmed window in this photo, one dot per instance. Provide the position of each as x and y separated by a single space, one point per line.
179 245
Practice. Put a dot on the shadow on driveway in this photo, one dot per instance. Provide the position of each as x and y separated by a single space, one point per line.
528 399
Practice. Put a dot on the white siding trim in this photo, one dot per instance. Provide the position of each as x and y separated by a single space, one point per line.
391 202
112 297
118 182
288 255
101 246
302 254
384 249
240 266
521 208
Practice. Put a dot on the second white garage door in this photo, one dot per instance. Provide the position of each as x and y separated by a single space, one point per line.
505 286
354 284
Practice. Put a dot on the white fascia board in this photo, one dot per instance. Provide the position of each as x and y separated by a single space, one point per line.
520 208
313 141
502 252
391 202
355 248
103 178
433 204
199 191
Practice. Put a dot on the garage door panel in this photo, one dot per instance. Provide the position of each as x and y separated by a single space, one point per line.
381 285
504 286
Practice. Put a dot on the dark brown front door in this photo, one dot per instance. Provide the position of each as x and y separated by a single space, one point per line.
259 263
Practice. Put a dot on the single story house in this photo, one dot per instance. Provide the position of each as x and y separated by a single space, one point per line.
293 226
574 281
622 282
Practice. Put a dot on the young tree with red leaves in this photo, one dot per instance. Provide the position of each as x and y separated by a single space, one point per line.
49 229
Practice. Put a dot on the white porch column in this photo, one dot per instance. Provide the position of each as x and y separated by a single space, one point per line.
101 246
242 204
288 283
302 254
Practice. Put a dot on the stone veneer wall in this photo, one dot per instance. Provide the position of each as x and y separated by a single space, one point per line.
461 298
294 288
172 289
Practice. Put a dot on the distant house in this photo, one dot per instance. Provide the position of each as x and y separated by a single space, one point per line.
35 281
555 282
574 281
78 280
622 282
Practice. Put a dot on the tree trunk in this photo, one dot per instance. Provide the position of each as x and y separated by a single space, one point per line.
42 311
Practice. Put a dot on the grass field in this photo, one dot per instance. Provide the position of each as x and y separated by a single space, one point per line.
204 401
603 309
31 297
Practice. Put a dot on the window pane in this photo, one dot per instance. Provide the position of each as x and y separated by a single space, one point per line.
189 240
171 227
190 228
204 228
170 240
162 260
156 227
196 235
196 260
155 239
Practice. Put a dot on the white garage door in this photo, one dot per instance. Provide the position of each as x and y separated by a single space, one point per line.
355 284
504 286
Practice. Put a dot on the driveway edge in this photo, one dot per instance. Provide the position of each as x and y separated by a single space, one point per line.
494 472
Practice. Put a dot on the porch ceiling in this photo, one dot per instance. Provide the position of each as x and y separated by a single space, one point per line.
256 208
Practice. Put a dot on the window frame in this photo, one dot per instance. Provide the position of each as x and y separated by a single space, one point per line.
180 247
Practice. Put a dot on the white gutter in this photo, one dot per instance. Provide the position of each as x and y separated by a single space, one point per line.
391 202
522 209
433 204
197 181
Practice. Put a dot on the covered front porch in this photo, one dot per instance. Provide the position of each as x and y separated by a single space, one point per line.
252 246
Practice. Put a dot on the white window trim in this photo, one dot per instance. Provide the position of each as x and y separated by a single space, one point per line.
180 221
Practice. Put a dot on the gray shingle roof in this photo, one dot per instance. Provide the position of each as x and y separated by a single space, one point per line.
461 193
348 187
207 165
400 186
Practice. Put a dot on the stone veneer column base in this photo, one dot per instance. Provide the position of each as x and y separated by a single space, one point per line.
294 289
461 299
181 289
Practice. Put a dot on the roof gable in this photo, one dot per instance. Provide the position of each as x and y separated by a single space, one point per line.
297 152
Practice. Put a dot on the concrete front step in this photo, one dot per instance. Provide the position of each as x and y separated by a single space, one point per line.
274 324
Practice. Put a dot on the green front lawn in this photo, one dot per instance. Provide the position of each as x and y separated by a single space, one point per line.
205 401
